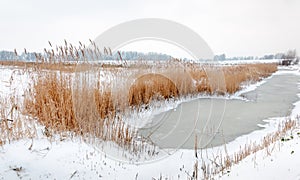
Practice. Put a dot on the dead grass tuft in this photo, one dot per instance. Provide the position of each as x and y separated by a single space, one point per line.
151 87
12 125
51 101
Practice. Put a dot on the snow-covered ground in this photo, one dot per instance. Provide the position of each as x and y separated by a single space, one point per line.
41 158
282 162
253 61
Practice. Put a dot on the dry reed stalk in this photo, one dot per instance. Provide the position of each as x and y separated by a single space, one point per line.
236 75
52 102
104 104
12 125
151 87
233 76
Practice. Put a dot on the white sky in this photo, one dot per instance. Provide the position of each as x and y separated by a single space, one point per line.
234 27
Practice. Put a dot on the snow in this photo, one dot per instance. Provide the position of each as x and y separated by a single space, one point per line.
72 158
12 81
283 163
255 61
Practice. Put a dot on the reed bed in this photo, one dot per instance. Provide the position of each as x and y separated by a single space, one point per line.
62 105
68 93
228 79
236 75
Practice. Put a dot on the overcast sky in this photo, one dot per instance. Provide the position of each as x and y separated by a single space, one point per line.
234 27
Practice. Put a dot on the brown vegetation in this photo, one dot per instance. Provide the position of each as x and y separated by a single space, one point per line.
236 75
63 106
151 86
67 93
12 125
51 101
228 79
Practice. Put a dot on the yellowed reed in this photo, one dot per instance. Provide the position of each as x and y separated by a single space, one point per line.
151 87
12 125
236 75
52 101
233 76
104 104
60 105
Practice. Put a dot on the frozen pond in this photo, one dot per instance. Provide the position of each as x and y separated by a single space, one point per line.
216 120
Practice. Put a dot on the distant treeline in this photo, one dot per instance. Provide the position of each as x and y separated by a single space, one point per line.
133 55
128 55
290 54
9 55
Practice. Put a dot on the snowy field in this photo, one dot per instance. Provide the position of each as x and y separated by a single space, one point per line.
71 158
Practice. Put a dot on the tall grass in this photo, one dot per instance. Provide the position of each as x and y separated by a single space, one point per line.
62 104
236 75
68 93
51 101
12 124
228 78
149 87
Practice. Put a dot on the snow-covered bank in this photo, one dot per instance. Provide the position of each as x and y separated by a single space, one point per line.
279 161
